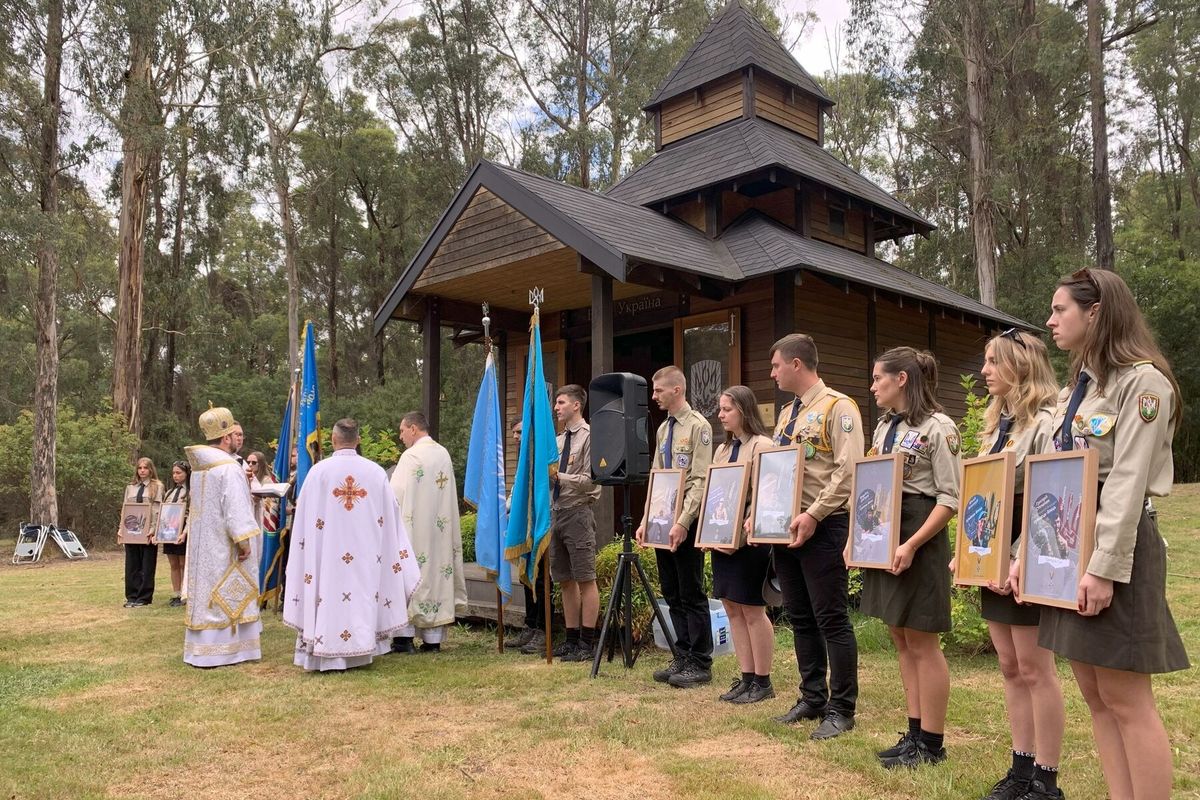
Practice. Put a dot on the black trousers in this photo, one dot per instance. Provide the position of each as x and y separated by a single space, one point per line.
816 598
535 599
681 575
141 560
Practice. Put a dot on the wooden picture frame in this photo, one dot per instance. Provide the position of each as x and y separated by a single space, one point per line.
137 522
168 529
875 494
985 517
664 502
778 481
723 508
1058 526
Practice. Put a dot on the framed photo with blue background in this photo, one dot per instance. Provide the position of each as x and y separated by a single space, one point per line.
1059 525
722 511
985 516
778 477
875 498
664 501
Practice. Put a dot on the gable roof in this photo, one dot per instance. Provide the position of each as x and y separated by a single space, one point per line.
742 147
762 246
734 39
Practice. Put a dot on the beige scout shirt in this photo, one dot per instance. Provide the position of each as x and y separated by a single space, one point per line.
1029 440
930 455
830 428
1130 426
575 485
691 450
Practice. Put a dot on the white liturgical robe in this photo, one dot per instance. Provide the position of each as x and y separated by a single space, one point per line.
351 568
221 616
428 495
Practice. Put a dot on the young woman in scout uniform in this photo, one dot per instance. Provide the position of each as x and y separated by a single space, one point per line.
1122 401
738 575
141 559
1019 420
913 597
181 473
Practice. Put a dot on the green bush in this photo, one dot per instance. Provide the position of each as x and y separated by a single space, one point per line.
93 467
467 523
606 573
378 446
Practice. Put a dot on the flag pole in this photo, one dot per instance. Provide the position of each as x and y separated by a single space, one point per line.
487 343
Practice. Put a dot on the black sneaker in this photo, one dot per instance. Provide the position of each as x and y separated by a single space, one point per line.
914 755
664 675
691 675
739 687
755 694
176 602
1038 791
582 652
519 638
564 647
898 748
536 644
1011 787
426 647
835 724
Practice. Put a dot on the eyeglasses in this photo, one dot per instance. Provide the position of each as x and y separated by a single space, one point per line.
1014 336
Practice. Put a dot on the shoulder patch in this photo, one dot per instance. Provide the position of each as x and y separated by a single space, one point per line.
1148 405
705 438
953 442
847 423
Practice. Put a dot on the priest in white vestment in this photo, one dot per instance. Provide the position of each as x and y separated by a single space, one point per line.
351 568
221 615
428 495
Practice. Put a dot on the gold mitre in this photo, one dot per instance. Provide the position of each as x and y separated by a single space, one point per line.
216 422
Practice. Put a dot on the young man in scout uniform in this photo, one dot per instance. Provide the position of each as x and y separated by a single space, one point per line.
684 441
812 575
573 526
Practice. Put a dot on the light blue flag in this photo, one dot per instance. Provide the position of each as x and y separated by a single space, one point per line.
308 439
484 487
271 567
529 518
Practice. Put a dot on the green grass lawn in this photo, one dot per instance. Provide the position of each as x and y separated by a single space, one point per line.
95 701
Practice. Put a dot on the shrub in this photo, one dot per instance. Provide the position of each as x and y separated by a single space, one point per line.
606 573
467 523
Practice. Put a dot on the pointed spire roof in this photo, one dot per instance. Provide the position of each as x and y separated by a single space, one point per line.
734 39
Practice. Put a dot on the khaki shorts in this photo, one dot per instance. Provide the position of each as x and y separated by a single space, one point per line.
573 544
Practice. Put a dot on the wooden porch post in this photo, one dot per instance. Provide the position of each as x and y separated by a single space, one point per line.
785 320
602 362
431 367
872 353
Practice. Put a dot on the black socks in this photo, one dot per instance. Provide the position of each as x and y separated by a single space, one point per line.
748 677
1048 776
1022 764
933 741
762 680
914 726
589 636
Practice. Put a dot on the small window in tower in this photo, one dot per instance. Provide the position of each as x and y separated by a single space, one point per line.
837 222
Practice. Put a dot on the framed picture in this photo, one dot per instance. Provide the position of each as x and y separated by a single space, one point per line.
1058 526
875 496
778 477
170 522
721 512
985 516
137 523
664 501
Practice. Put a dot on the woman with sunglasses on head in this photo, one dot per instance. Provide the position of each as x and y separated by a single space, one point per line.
1019 420
181 473
1122 401
259 472
913 597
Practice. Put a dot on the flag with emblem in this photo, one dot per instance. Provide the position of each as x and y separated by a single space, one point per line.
529 518
274 543
484 487
308 439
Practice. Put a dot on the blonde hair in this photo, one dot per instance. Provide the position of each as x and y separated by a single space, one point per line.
670 376
1023 363
144 462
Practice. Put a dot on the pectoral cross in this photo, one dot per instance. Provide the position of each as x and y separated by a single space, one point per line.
349 492
441 480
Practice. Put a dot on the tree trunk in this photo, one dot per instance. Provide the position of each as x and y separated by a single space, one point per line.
43 496
291 246
138 115
334 265
982 204
175 318
581 96
1101 189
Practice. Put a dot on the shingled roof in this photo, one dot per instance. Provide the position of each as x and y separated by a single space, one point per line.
733 40
739 148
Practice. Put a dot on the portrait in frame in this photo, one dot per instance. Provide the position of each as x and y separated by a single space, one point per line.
137 523
778 479
1058 525
985 515
169 529
664 501
722 511
875 496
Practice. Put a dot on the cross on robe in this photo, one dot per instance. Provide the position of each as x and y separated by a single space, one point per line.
349 492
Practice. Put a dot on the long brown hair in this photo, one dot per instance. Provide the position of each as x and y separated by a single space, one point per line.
920 390
1118 336
743 399
1023 363
262 470
144 462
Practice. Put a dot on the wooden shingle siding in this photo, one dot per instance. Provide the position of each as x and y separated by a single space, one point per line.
959 352
778 103
818 225
488 233
720 101
837 321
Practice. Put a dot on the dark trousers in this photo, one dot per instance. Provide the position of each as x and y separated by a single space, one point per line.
681 575
140 562
816 597
535 600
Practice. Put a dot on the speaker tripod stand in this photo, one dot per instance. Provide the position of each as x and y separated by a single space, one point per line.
618 617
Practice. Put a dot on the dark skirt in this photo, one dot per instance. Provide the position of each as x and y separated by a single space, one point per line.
739 576
919 597
175 549
1136 633
1001 607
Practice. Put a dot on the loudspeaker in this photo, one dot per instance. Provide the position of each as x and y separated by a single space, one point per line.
620 448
